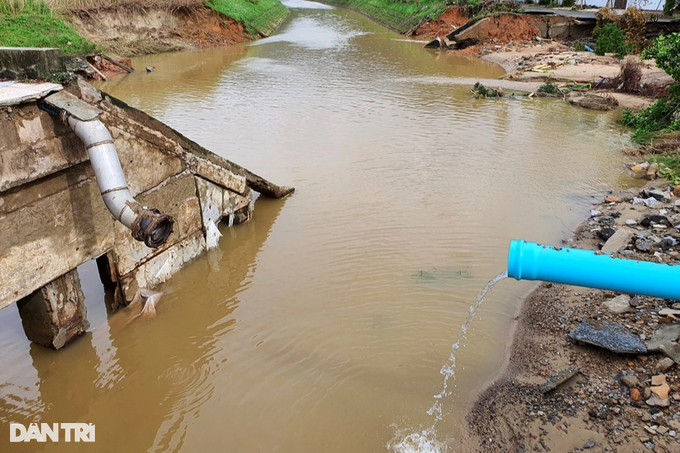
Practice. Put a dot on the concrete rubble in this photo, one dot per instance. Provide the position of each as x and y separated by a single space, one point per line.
53 218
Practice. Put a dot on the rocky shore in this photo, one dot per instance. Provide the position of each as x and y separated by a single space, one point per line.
594 370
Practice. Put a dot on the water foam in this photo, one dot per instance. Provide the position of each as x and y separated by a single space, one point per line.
426 441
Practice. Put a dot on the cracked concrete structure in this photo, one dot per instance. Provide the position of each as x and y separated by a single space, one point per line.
53 218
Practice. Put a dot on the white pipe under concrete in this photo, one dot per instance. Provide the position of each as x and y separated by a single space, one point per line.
147 224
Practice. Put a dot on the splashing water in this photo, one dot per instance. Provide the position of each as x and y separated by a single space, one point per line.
418 442
426 440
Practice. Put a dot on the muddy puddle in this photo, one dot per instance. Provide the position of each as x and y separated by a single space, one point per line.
322 324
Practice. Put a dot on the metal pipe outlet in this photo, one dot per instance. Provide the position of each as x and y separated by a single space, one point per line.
148 225
530 261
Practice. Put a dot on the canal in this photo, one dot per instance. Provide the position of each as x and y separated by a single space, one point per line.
323 323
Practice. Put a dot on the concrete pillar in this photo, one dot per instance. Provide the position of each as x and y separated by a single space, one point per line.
55 314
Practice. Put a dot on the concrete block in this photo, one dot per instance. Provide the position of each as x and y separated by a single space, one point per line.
176 197
234 201
145 165
30 130
619 241
55 315
220 176
161 267
211 198
51 236
33 63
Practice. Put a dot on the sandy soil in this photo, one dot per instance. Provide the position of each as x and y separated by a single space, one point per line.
596 410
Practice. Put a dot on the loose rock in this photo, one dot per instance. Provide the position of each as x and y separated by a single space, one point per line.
608 335
619 304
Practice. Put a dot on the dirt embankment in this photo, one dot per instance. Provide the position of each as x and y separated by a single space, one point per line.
137 30
616 402
445 24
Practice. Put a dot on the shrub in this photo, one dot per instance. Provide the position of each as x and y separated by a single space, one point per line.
633 23
610 39
658 117
666 51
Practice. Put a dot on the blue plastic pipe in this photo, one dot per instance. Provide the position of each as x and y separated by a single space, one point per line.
530 261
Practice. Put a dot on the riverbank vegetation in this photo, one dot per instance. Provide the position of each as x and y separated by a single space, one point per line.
400 15
259 16
31 23
135 27
658 126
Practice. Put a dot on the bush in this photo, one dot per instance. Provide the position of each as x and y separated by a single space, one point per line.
610 39
633 23
666 51
658 117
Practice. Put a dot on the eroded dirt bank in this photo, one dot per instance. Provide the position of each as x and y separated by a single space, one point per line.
520 44
137 30
616 402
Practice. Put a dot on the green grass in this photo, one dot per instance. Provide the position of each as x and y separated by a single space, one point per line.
32 24
258 16
400 15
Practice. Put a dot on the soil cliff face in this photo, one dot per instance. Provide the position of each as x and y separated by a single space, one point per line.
137 30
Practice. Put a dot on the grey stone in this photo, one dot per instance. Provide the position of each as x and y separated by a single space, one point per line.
664 335
644 244
608 335
630 381
664 365
589 444
672 351
659 195
559 378
631 222
650 202
619 304
658 402
607 220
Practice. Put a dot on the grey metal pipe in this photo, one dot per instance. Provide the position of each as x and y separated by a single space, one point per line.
147 224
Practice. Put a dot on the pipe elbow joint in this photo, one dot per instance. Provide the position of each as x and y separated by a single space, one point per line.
151 227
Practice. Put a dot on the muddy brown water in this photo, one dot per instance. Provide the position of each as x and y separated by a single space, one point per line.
323 323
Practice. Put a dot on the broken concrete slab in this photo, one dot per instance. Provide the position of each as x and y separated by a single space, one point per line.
619 241
19 93
608 335
74 106
664 336
560 378
30 62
